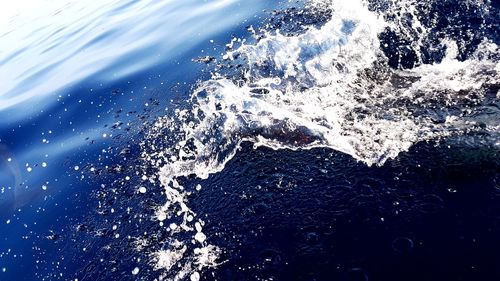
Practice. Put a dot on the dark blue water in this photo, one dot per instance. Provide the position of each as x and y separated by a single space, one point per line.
83 83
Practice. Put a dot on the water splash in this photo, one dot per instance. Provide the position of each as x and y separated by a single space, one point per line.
330 86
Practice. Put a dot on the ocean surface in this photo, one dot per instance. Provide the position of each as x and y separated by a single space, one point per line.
250 140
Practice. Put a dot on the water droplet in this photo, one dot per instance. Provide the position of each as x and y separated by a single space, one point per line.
195 276
200 237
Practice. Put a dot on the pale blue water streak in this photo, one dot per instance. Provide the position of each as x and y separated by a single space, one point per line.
104 41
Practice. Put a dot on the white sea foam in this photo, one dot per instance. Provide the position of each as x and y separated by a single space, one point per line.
326 87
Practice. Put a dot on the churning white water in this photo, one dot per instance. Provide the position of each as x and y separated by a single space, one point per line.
329 87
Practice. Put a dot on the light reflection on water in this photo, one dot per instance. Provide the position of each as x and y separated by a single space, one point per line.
102 41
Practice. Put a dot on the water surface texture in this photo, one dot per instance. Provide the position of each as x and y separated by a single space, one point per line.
250 140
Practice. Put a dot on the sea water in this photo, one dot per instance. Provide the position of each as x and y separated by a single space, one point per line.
248 140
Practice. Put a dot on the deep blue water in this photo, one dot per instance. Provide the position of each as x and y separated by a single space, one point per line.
82 83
